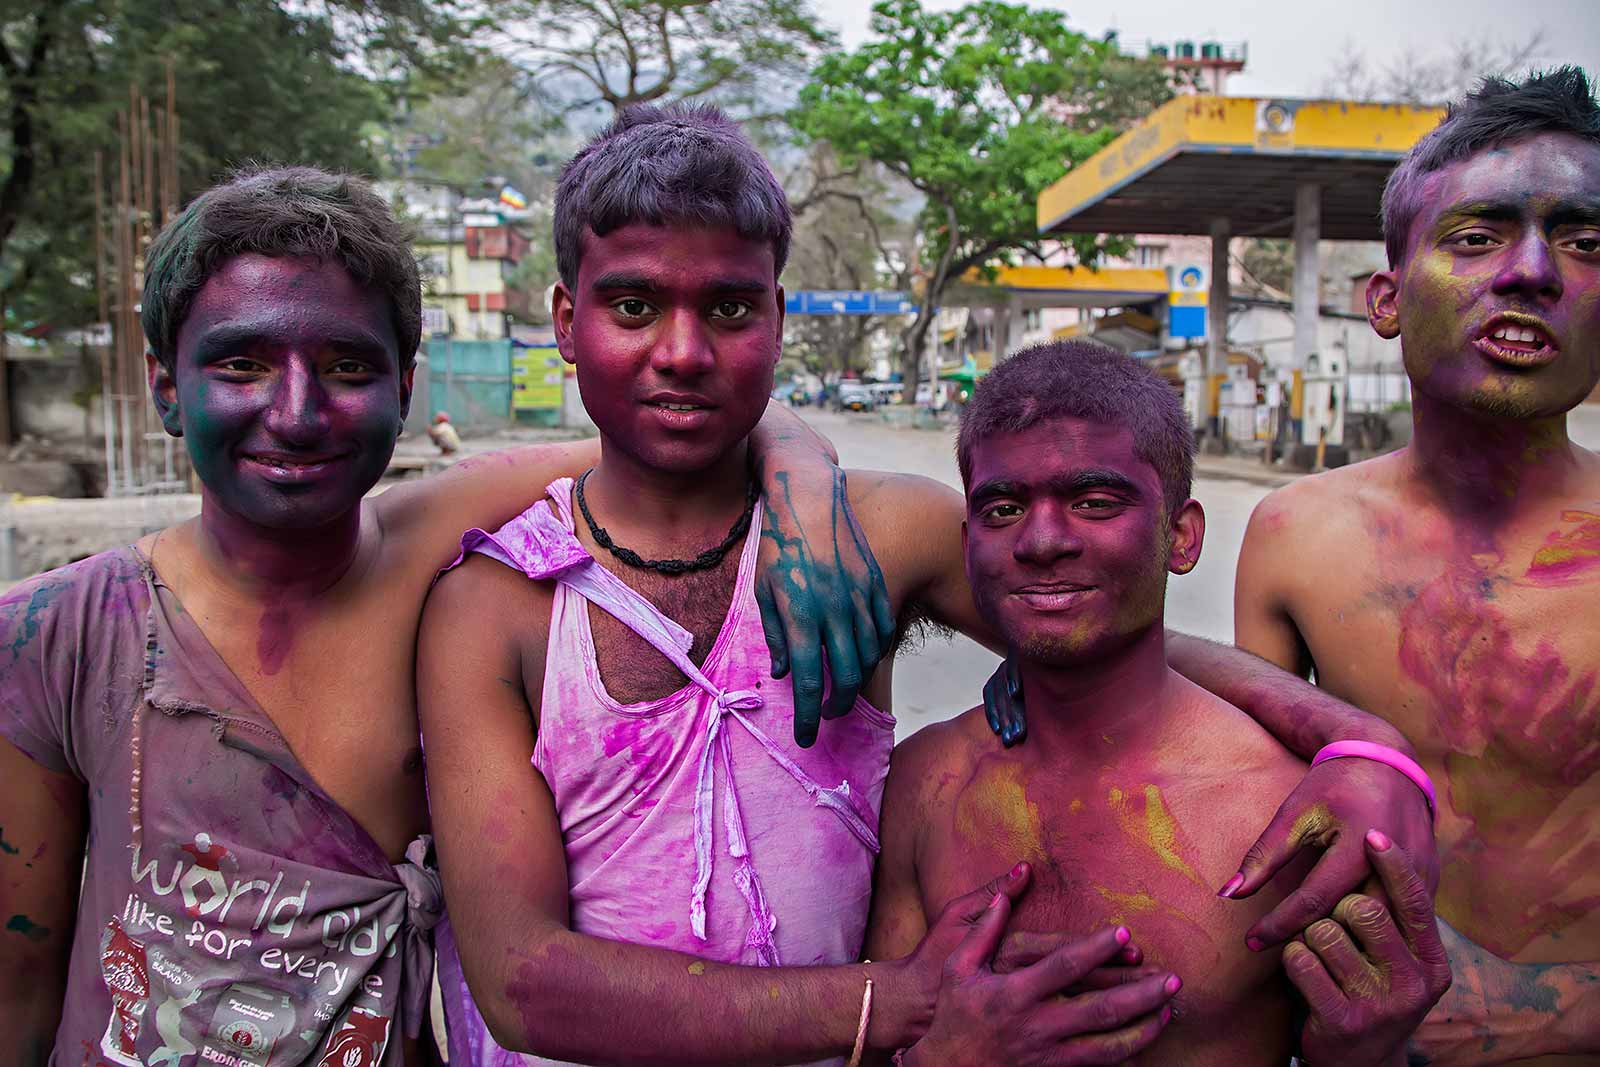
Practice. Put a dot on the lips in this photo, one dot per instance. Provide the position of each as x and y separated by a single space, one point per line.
678 401
1516 340
291 466
1060 596
679 411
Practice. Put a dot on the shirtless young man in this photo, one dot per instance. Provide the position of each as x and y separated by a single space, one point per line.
618 822
1137 789
225 710
1456 590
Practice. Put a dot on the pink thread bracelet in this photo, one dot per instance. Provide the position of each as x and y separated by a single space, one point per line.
1390 757
861 1027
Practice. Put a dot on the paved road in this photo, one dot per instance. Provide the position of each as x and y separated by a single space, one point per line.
1584 426
946 676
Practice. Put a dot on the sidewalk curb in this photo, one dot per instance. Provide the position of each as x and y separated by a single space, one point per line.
1240 472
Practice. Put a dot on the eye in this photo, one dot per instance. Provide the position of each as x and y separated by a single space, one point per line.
631 307
1475 240
350 367
732 310
239 365
1101 505
1585 244
1005 509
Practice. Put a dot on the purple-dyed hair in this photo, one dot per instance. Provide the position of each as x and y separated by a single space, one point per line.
661 165
1083 380
1496 113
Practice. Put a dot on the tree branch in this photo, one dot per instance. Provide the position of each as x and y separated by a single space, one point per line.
820 190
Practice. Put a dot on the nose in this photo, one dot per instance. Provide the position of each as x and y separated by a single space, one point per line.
299 411
1531 270
1047 536
682 346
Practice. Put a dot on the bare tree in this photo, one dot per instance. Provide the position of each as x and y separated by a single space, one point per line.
847 236
1431 78
620 52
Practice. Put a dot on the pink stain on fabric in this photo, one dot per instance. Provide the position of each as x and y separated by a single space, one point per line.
737 815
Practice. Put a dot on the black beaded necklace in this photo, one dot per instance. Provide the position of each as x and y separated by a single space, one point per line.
704 561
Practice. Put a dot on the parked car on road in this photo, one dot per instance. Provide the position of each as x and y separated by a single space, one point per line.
887 392
853 396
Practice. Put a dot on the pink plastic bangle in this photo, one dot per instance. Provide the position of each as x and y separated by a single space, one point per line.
1382 754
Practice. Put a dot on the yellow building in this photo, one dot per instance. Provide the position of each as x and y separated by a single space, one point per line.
465 272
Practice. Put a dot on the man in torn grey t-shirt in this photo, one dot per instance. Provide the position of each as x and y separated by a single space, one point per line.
231 912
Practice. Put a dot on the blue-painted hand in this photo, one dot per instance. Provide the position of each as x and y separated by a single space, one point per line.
824 607
1002 704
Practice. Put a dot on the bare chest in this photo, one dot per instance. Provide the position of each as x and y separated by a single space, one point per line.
1489 661
1107 855
631 669
339 689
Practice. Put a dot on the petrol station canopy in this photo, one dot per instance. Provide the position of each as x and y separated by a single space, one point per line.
1033 286
1199 158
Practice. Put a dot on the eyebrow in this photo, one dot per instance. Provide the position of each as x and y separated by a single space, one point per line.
1101 478
621 280
1573 211
737 285
222 340
1082 481
1493 210
991 489
1566 212
639 283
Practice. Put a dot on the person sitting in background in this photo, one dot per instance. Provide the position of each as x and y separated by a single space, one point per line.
444 435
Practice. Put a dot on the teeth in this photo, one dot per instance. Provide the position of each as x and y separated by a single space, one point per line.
1522 334
679 407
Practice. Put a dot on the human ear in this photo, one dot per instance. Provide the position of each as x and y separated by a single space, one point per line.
407 380
164 391
783 310
562 311
1383 304
1188 533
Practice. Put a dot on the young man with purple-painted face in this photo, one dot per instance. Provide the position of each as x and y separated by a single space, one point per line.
211 793
626 829
1456 586
1137 789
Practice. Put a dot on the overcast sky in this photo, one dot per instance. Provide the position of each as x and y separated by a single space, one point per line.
1293 43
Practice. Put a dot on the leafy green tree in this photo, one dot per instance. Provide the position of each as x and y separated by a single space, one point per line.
291 82
978 109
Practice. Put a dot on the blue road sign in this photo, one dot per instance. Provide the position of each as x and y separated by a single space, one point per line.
848 302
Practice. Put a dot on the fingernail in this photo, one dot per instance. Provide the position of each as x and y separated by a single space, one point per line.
1019 870
1123 936
1232 887
1166 1015
1378 840
1172 985
1254 944
995 903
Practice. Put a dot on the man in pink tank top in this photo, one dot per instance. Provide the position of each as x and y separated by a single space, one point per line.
641 865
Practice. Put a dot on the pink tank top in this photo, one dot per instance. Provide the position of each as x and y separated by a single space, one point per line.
692 822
